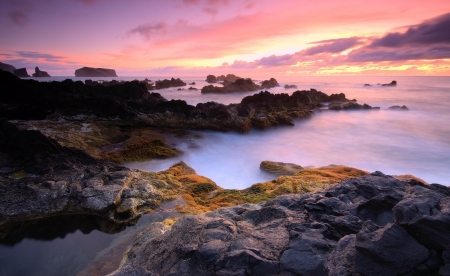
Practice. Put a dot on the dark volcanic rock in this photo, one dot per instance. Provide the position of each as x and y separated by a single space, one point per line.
373 225
229 77
7 67
397 107
269 83
240 85
290 86
392 83
21 73
169 83
40 74
211 79
95 72
367 84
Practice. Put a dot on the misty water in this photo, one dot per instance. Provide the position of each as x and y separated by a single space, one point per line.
395 142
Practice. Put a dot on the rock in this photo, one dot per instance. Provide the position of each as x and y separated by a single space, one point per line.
192 83
290 86
95 72
40 74
392 83
21 73
269 83
229 78
280 168
240 85
169 83
397 107
367 84
192 88
337 231
7 67
211 79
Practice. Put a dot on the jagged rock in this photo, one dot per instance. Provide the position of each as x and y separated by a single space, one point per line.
290 86
192 83
40 74
240 85
372 225
7 67
392 83
280 168
229 77
211 79
269 83
169 83
95 72
367 84
397 107
192 89
21 73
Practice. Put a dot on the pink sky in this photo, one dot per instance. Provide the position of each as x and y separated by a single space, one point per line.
247 37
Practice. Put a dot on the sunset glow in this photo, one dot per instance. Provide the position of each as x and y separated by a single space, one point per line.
198 37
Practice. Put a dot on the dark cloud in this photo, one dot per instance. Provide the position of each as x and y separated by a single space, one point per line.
36 55
434 31
333 45
20 18
399 54
149 30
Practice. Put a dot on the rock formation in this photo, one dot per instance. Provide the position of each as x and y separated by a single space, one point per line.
392 83
21 73
367 84
280 168
229 77
267 84
397 107
40 74
372 225
290 86
211 79
7 67
95 72
169 83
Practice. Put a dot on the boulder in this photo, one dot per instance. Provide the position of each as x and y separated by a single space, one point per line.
40 74
367 84
21 73
7 67
169 83
240 85
95 72
229 77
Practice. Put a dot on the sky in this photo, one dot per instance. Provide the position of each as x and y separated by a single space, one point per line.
251 38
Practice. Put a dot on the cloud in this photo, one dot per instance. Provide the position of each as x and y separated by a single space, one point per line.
400 54
191 2
20 18
149 30
36 55
87 1
433 31
333 45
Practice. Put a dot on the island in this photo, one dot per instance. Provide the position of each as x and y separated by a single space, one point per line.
95 72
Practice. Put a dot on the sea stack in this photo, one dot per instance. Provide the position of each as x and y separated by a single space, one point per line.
40 74
95 72
21 73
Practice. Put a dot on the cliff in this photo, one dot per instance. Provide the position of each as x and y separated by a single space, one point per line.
7 67
95 72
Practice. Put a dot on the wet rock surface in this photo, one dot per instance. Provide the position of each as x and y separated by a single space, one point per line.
372 225
40 178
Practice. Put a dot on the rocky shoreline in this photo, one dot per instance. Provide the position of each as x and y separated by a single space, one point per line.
62 143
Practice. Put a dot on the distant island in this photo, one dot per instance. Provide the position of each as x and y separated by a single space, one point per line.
95 72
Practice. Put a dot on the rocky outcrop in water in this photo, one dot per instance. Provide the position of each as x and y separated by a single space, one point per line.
397 107
211 79
372 225
95 72
32 100
7 67
290 86
21 73
240 85
392 83
40 74
169 83
229 77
